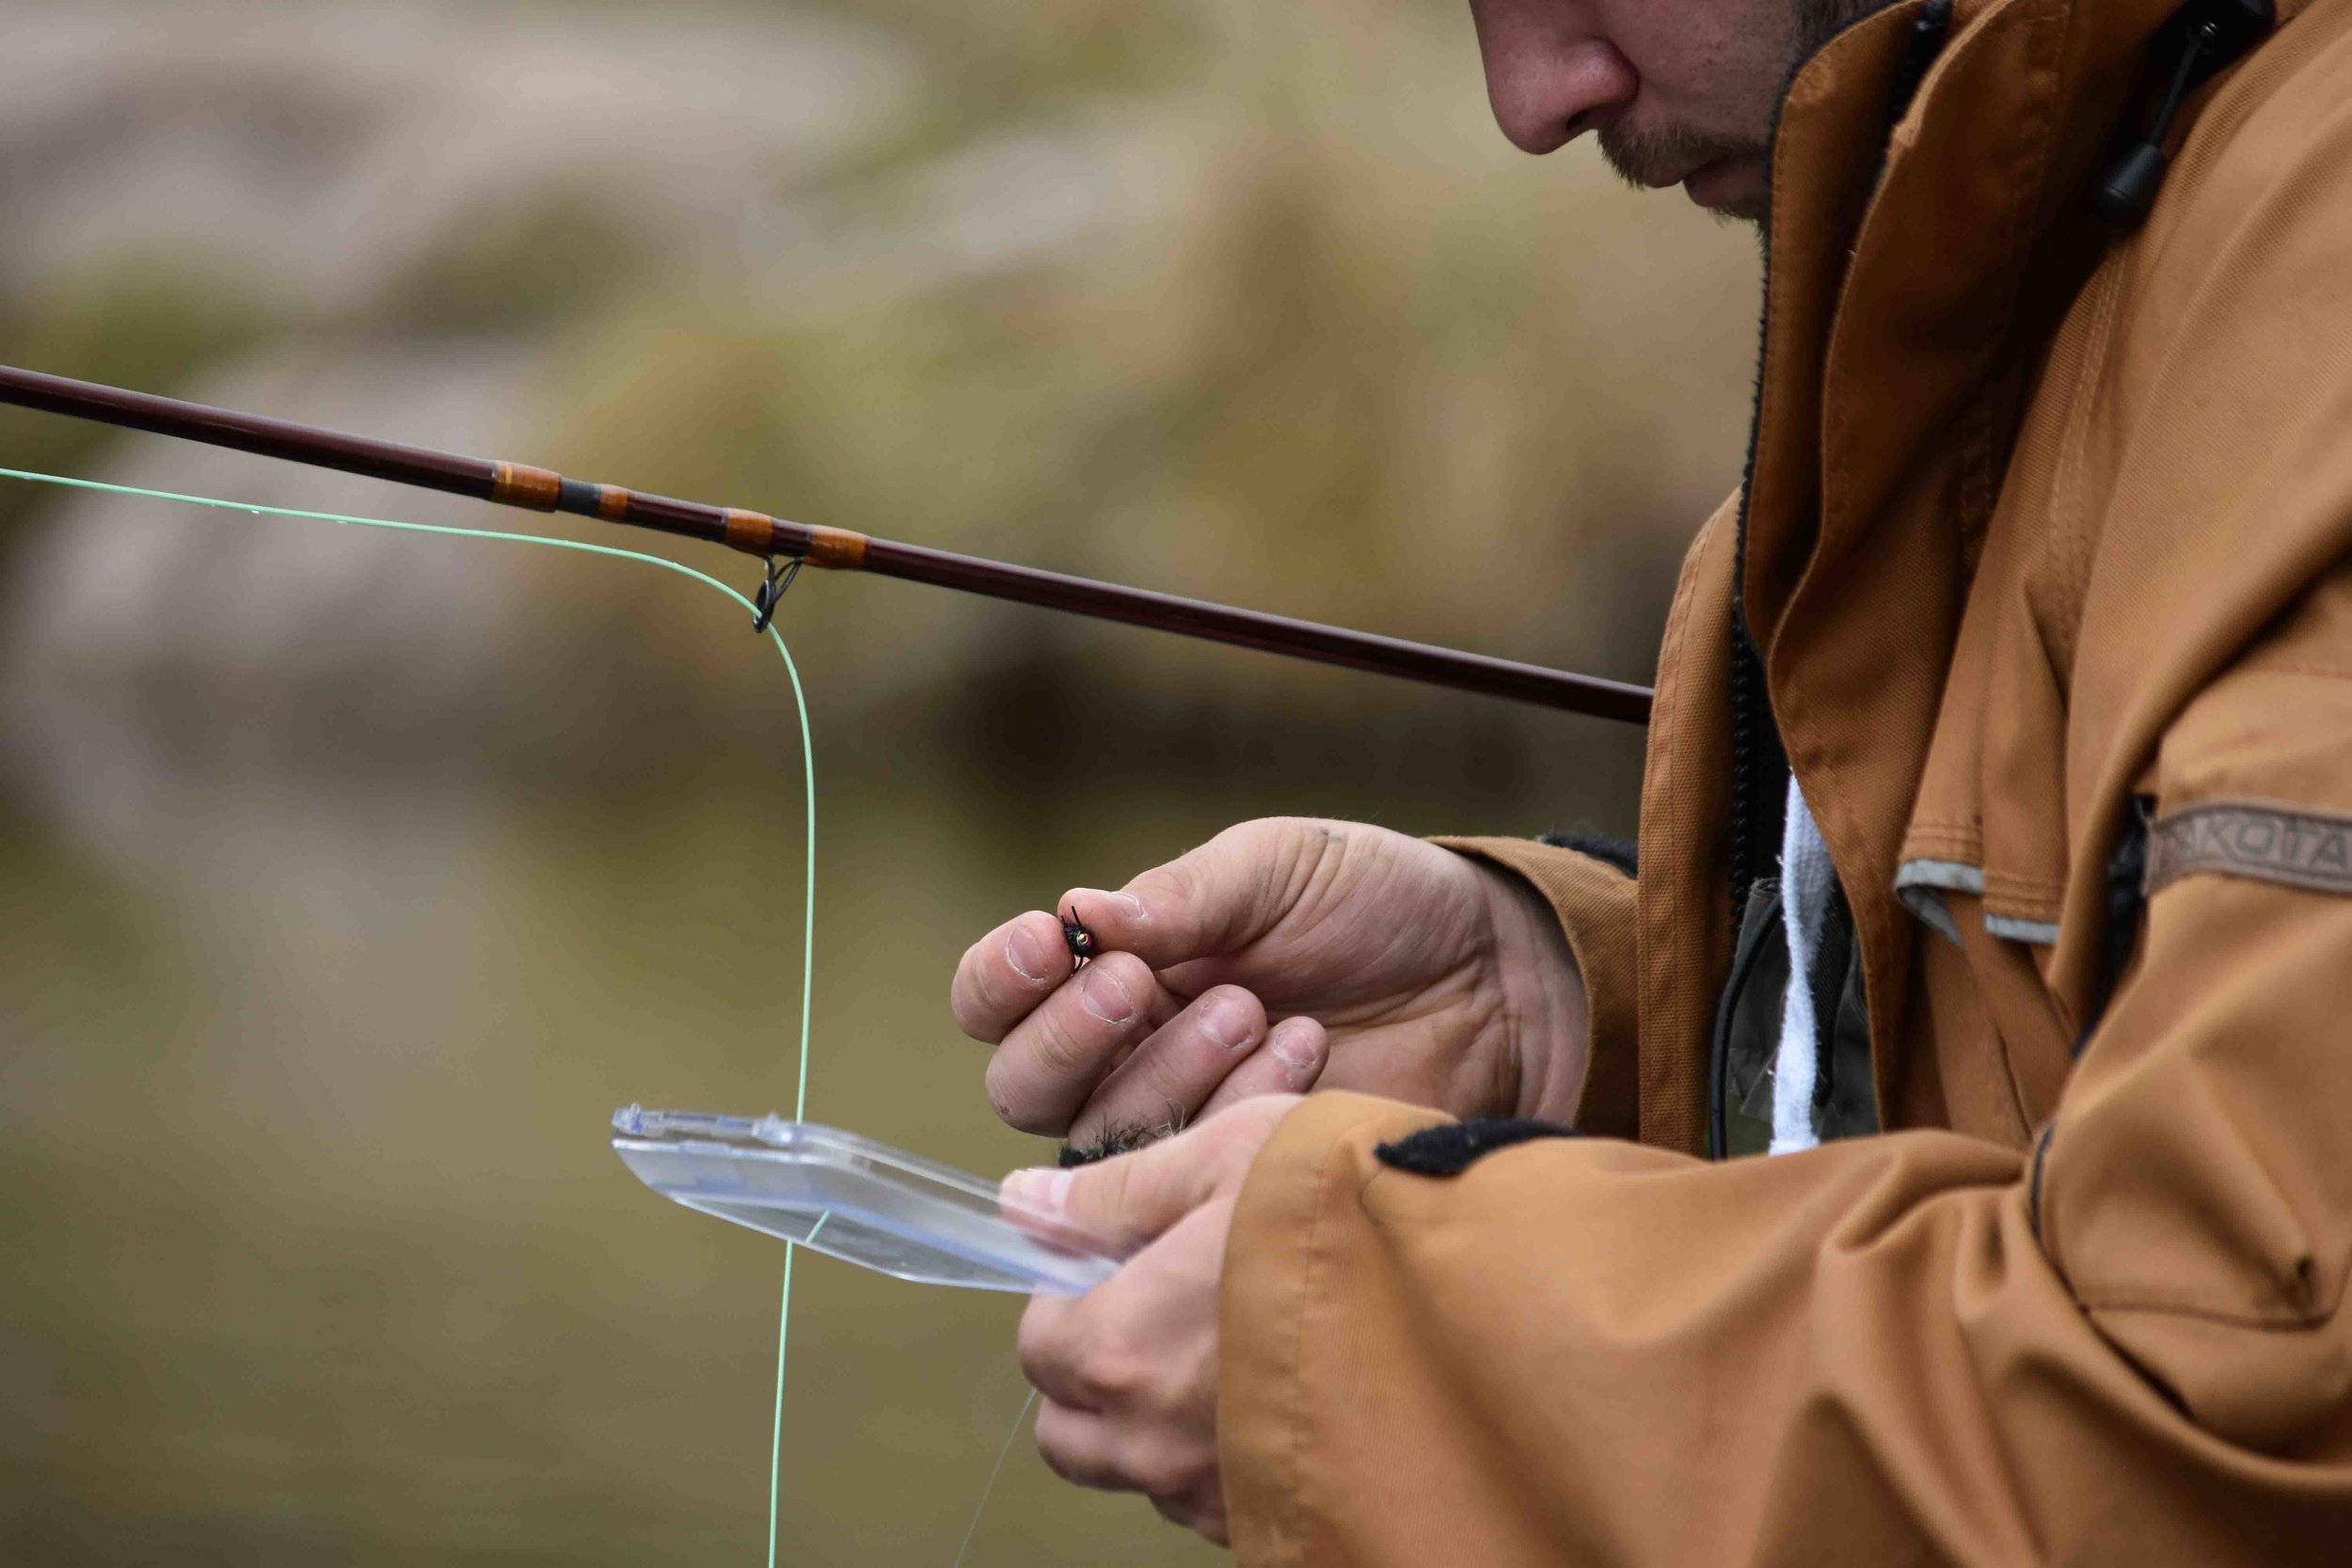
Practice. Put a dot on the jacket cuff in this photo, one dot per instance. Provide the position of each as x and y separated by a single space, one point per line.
1594 902
1274 1305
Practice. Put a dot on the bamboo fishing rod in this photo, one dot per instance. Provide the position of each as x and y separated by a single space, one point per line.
771 539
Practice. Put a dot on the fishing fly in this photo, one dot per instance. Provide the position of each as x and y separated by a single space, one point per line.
1075 936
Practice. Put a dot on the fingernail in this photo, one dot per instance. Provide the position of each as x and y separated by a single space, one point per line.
1103 996
1227 1022
1091 895
1042 1190
1295 1043
1026 953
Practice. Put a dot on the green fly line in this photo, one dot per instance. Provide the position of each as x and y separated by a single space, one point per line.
808 785
808 900
995 1470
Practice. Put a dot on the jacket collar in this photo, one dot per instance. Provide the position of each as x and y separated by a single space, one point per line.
1896 264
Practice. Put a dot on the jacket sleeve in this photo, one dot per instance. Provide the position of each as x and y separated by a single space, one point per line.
2126 1344
1594 901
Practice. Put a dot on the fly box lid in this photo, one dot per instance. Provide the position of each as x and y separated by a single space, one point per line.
860 1201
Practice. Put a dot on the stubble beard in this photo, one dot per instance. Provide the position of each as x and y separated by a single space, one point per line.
1648 159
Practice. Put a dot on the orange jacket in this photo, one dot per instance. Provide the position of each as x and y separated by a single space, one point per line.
2039 520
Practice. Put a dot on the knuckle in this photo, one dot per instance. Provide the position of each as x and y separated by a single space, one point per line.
1033 1339
1047 1344
1171 1472
1014 1106
1289 857
1277 840
1170 886
1253 837
1166 1092
1060 1051
1057 1456
1114 1375
1057 1444
1035 1354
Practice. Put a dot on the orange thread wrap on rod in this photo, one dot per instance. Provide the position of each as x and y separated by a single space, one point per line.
757 534
520 485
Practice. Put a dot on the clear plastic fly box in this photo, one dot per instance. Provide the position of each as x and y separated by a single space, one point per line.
858 1200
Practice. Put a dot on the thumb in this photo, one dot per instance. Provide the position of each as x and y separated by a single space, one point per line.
1212 900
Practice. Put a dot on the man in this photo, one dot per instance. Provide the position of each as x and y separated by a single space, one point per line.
1999 796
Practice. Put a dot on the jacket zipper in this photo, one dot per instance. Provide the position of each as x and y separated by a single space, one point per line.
1760 765
2126 901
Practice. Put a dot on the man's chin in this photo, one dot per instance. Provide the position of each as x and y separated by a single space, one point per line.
1733 186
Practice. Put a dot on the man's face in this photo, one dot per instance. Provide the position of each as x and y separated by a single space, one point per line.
1680 92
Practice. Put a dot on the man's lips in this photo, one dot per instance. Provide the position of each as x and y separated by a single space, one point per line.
1656 159
1711 183
1658 180
1711 167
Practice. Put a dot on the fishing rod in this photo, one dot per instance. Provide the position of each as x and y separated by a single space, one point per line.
773 538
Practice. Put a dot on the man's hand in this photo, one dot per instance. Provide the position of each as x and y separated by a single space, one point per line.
1128 1372
1283 954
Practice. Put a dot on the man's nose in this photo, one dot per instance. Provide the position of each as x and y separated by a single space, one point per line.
1549 76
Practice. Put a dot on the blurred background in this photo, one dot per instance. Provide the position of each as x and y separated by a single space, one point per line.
350 880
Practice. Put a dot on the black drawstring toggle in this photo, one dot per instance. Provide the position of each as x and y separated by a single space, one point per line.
2208 35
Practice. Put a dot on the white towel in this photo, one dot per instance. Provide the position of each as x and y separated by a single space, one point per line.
1805 880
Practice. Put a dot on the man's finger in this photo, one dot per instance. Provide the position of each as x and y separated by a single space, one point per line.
1288 1063
1051 1062
1006 974
1117 1453
1135 1197
1201 1511
1080 1447
1172 1074
1051 1339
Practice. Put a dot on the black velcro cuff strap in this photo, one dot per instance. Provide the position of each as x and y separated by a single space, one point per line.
1450 1147
1619 852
